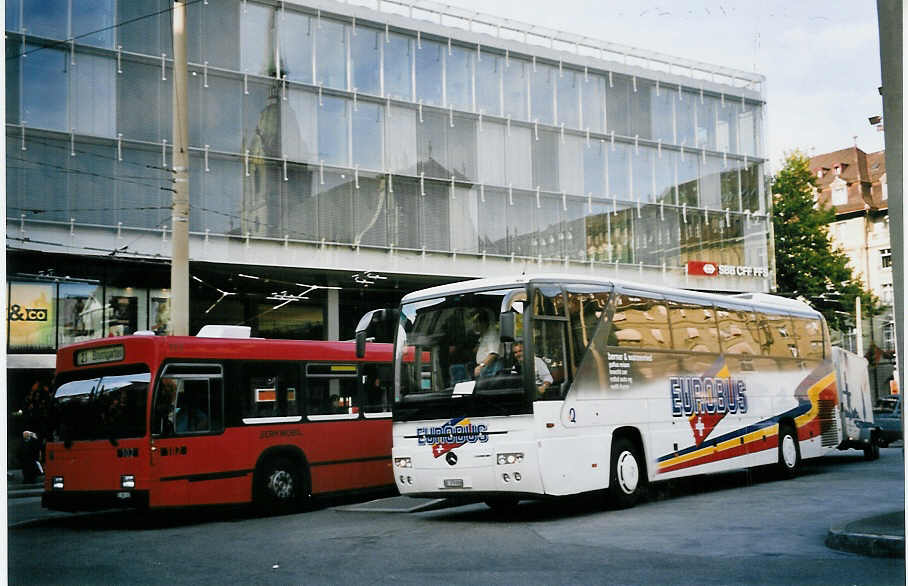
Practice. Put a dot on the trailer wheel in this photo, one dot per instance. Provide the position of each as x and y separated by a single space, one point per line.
789 452
872 451
282 487
627 477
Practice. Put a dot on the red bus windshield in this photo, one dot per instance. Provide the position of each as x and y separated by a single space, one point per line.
110 407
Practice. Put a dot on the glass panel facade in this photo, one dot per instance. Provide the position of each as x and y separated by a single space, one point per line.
593 102
569 84
93 95
331 54
45 81
542 93
92 22
429 72
515 88
488 83
318 162
398 66
258 33
297 39
459 78
365 59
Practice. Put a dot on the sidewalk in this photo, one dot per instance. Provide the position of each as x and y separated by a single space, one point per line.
877 536
16 487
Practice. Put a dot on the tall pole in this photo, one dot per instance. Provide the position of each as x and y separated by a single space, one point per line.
179 269
859 327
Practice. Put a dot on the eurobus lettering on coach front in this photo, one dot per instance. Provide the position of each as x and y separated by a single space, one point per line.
556 385
154 421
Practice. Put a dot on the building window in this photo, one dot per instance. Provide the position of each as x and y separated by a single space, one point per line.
886 258
886 293
839 194
885 185
889 336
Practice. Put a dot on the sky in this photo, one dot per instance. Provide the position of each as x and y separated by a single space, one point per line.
821 59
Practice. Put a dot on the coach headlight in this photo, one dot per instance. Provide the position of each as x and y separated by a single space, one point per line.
57 483
403 463
127 481
510 458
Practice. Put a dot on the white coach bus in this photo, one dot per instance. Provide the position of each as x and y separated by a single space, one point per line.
556 385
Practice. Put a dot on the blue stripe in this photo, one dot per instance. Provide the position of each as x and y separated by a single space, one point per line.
803 407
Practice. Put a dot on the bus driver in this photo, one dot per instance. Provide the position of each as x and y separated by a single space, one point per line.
543 375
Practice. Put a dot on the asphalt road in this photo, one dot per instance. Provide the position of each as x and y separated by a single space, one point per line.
738 528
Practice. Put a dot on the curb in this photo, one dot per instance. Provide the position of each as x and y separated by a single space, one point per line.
865 543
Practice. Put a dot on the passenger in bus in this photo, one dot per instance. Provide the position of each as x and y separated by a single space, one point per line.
489 348
190 416
543 375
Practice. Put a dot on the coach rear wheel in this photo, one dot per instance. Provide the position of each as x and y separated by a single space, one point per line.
628 477
282 487
789 452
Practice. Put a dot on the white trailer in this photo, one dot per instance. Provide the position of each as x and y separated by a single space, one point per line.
859 431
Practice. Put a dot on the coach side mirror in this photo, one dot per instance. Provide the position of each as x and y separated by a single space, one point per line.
371 320
506 326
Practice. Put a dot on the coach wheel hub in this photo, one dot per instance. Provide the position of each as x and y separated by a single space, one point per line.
628 472
789 451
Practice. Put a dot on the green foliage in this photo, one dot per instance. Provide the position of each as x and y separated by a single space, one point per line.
807 265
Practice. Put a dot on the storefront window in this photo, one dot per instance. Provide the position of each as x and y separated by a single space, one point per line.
31 317
127 310
159 311
81 312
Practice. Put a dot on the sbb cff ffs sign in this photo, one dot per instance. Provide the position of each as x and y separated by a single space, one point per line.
702 268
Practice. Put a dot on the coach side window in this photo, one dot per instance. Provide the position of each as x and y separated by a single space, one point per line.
640 322
587 305
778 335
270 389
808 334
693 326
738 331
332 391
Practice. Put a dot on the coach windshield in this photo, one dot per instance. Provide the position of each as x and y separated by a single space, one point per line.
451 348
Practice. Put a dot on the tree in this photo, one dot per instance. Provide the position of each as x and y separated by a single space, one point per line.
807 265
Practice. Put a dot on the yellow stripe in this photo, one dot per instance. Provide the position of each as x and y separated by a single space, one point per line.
812 393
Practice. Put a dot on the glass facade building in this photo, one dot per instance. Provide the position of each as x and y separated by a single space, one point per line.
342 126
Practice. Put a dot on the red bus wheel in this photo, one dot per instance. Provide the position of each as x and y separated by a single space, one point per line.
281 488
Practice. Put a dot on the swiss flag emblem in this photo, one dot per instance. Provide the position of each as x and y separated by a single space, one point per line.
702 425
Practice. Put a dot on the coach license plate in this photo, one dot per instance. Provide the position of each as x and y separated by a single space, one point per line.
453 483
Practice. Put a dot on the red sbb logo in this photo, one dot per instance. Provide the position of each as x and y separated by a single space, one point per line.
702 268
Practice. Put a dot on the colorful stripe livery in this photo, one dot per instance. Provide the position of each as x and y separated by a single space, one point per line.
813 416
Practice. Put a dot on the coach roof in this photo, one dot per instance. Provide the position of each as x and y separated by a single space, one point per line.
761 301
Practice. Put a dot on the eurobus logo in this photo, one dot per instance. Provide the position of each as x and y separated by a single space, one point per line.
451 435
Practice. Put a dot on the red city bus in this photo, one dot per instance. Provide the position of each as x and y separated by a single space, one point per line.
148 421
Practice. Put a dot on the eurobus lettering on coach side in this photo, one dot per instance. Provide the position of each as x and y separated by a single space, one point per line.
150 421
586 384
